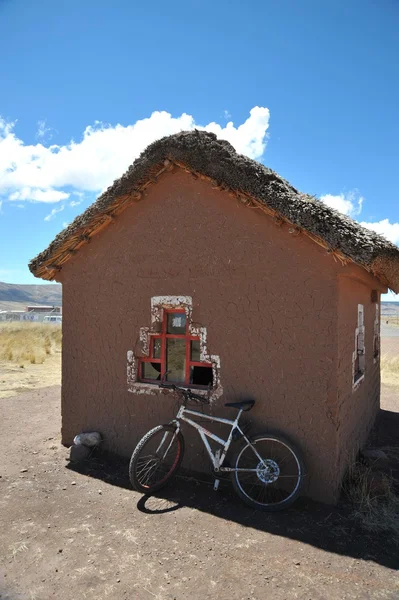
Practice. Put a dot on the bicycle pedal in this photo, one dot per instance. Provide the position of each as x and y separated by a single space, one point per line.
216 484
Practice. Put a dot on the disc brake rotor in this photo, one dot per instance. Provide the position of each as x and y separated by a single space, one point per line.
268 471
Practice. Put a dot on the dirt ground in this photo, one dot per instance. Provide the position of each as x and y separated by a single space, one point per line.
14 379
81 532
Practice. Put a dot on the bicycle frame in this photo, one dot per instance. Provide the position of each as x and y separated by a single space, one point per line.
218 457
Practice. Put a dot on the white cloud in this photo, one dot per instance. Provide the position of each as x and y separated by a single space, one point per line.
38 195
226 114
351 204
38 172
53 212
389 230
348 204
250 137
75 202
65 224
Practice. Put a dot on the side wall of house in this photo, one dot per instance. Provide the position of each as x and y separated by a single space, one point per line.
358 404
268 298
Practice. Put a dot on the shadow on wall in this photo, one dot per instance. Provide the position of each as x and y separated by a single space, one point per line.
330 528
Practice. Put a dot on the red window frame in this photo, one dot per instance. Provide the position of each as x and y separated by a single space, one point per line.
164 336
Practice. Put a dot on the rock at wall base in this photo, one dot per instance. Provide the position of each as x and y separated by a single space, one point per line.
79 453
375 457
89 439
374 453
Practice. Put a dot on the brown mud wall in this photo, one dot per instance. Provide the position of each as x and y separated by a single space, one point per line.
267 297
356 407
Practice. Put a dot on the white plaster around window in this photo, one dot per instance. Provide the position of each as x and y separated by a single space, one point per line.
360 349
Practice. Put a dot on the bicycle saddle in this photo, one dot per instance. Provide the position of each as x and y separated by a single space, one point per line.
244 405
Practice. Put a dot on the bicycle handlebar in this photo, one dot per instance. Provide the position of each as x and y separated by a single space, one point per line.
187 393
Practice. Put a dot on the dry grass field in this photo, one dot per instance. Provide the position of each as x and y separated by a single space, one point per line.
30 357
24 343
390 321
390 369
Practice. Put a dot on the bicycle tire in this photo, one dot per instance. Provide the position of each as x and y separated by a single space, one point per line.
135 469
273 473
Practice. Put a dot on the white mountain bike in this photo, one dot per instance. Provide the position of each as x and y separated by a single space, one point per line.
267 471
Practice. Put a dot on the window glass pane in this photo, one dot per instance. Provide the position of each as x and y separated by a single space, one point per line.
176 323
201 376
156 348
195 351
151 370
176 359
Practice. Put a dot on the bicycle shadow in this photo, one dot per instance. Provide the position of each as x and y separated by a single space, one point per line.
330 528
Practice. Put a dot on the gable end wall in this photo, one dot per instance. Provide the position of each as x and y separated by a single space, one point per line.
267 298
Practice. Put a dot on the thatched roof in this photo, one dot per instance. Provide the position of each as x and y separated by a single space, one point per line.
204 155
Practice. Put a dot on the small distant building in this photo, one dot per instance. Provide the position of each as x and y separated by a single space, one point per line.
16 315
205 263
31 313
43 309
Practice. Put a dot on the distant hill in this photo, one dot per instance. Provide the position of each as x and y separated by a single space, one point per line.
16 297
389 307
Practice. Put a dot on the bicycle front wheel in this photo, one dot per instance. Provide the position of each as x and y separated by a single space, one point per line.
156 459
270 473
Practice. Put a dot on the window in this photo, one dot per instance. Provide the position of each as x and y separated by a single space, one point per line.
359 356
177 352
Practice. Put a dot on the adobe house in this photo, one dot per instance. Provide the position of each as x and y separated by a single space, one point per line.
208 264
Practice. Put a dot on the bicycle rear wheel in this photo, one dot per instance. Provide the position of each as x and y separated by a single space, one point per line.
272 473
156 459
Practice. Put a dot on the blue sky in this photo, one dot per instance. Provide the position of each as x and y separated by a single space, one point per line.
309 88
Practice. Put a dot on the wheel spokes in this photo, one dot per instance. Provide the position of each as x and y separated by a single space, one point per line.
274 478
159 458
